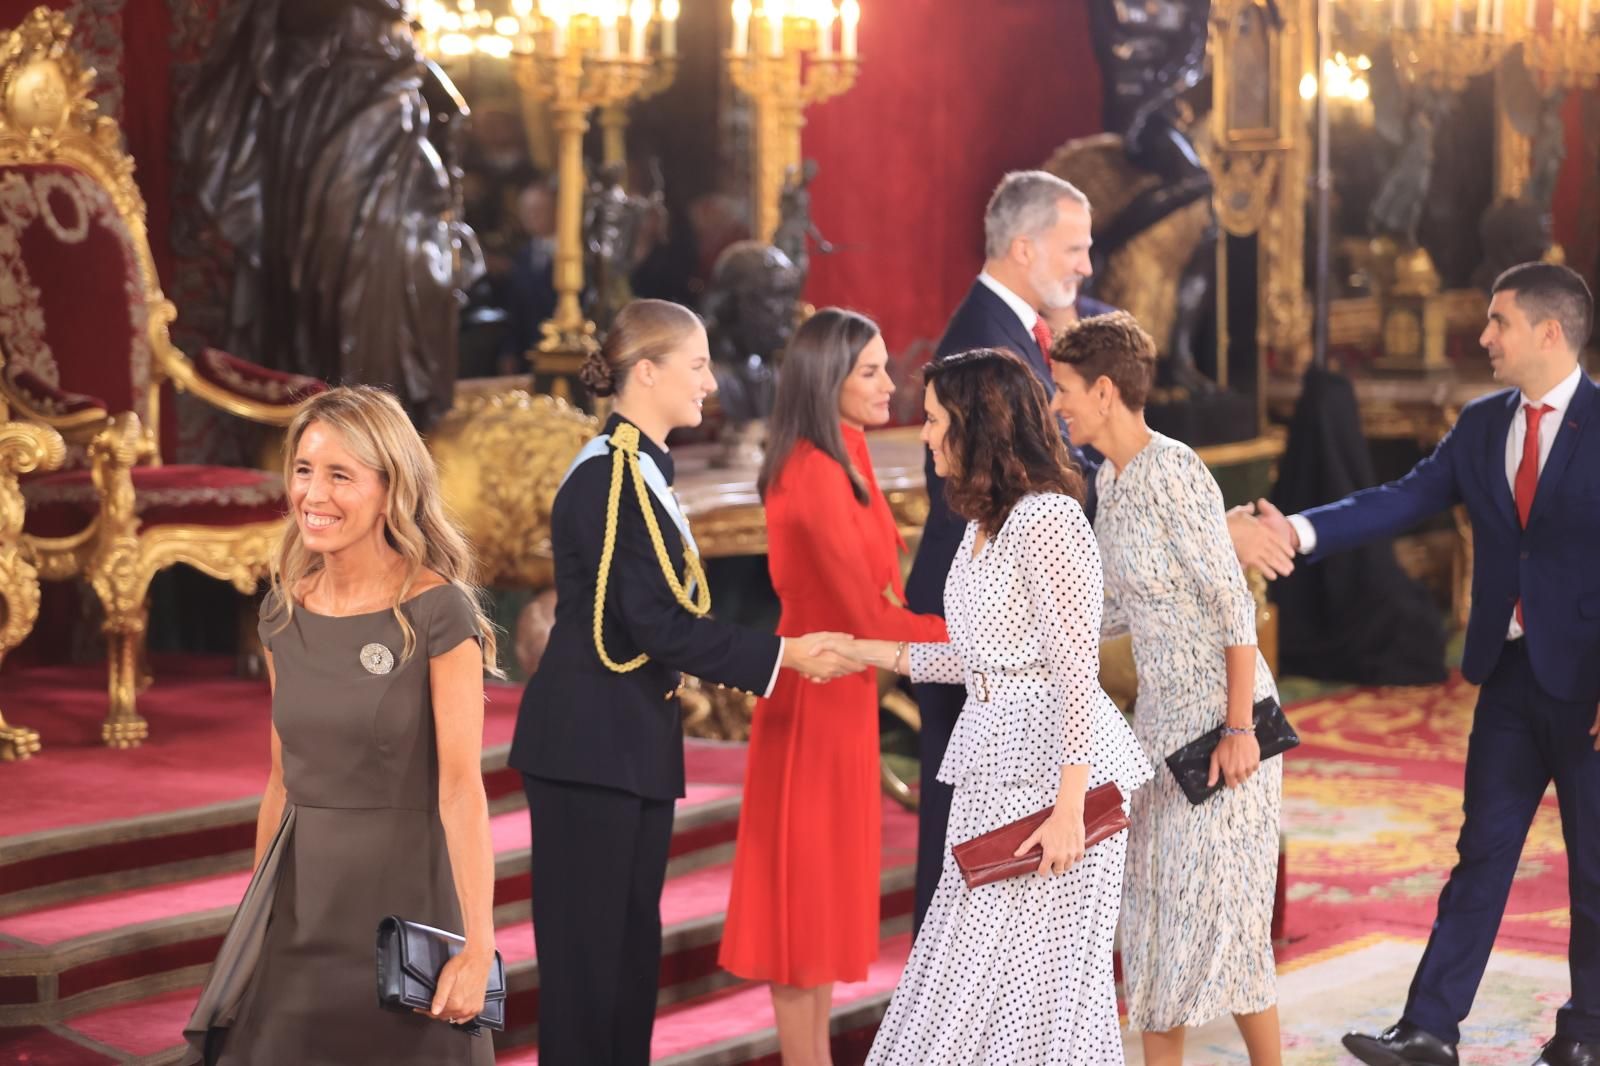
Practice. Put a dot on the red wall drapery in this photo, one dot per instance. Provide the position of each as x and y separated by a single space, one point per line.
950 97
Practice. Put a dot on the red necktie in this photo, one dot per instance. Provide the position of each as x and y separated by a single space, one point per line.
1041 333
1527 482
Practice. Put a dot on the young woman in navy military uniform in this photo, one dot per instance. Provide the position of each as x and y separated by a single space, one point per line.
599 735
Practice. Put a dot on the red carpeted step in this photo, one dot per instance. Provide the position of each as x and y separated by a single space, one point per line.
736 1025
208 742
83 818
692 910
49 925
85 948
147 1027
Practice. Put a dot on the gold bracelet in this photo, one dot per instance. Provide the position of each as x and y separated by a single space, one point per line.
899 653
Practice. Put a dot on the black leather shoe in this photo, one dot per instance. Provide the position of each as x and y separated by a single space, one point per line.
1562 1051
1402 1044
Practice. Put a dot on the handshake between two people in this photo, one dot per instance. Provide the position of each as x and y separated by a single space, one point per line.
826 656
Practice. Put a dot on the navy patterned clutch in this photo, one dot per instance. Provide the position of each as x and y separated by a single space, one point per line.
1191 764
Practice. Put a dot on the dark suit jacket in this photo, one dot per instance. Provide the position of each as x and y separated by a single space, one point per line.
1550 565
581 722
982 320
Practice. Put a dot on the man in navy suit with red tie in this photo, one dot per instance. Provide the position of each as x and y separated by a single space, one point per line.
1526 463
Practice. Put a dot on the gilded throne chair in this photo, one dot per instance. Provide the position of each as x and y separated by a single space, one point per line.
84 350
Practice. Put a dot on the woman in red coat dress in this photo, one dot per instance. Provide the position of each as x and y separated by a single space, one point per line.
804 906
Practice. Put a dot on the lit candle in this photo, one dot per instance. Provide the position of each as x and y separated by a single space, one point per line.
558 34
1557 18
825 30
1583 16
741 26
608 31
1456 23
774 10
1497 17
669 28
1427 14
1530 14
1482 20
1399 19
638 21
849 15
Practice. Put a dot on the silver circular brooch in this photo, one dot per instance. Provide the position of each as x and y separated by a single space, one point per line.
377 659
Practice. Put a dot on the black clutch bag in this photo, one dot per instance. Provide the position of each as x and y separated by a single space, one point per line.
410 956
1191 764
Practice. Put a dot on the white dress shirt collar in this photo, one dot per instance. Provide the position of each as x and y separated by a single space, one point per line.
1027 314
1558 398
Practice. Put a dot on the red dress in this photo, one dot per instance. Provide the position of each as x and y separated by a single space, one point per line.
804 905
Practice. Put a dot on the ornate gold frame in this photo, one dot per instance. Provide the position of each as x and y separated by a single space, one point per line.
47 117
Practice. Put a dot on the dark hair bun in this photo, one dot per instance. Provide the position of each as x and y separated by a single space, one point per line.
596 374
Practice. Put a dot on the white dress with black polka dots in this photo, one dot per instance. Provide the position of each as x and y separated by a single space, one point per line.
1197 906
1018 973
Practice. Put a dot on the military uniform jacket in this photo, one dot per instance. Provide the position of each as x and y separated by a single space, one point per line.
581 721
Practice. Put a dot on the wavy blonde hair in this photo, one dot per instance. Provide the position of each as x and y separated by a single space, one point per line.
374 427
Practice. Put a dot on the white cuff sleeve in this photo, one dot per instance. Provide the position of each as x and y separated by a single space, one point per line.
1305 531
772 682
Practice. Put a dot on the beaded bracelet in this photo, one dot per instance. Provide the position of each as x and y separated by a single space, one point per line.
1235 731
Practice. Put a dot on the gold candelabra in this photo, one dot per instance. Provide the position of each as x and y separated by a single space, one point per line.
575 56
1448 42
783 57
614 117
1563 41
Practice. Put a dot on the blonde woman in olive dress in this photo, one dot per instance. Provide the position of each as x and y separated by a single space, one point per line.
374 803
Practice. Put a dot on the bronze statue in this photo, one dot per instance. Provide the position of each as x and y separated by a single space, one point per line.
614 237
1522 230
1408 118
750 315
324 147
1151 53
795 228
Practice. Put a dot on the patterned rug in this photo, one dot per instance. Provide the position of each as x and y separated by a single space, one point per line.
1372 805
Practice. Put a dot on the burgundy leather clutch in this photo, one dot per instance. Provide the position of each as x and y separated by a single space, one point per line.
988 858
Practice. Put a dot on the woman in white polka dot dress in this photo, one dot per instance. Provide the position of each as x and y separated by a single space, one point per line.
1015 973
1197 910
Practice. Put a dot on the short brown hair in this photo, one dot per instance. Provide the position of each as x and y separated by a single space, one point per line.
1113 346
644 329
1546 291
1002 442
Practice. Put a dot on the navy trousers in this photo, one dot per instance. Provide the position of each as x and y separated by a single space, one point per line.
599 860
940 706
1522 739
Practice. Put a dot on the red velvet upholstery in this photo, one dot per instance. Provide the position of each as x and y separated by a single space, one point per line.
81 322
253 381
223 496
45 398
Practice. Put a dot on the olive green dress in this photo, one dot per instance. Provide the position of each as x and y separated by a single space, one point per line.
295 980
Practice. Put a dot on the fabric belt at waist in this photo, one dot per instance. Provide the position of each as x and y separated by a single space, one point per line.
985 685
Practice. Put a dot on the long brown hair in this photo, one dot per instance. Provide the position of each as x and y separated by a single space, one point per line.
373 425
1002 441
819 358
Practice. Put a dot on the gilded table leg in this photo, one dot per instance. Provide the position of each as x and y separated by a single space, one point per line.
23 448
17 742
123 728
